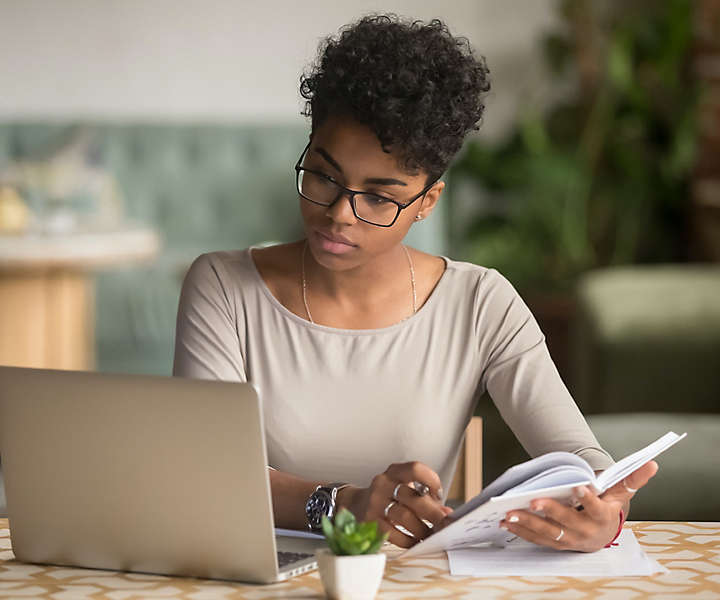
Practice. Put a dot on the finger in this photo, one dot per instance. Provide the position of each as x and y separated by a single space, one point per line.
626 489
423 506
416 471
564 515
395 536
594 507
399 514
543 534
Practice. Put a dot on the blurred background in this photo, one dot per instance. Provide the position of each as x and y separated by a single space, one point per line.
136 135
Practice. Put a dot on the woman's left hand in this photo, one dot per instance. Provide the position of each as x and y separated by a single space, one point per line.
565 528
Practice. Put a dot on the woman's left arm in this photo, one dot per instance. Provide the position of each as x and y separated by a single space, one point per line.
533 400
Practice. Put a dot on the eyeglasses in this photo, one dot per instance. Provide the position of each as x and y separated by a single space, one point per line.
322 189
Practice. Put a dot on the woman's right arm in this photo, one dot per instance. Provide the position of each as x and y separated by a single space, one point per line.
207 343
207 346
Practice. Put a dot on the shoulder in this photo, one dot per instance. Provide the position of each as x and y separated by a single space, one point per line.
490 294
277 261
477 278
221 265
237 272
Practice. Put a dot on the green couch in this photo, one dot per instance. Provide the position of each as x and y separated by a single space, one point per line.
647 361
647 352
203 187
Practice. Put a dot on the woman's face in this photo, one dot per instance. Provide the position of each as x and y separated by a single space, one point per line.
351 154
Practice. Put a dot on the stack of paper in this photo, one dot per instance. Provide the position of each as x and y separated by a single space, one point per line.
520 557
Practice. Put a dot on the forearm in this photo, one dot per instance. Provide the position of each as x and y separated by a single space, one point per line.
289 495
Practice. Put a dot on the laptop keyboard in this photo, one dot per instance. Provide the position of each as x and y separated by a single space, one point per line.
285 558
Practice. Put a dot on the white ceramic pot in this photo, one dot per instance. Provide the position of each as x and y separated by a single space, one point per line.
350 577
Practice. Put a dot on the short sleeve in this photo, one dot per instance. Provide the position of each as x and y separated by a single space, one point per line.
523 381
206 336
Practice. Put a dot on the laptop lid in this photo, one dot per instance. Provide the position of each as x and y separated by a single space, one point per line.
137 472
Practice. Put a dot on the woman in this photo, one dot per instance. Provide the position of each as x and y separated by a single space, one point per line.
369 355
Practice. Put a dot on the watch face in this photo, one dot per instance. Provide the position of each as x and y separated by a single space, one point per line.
318 504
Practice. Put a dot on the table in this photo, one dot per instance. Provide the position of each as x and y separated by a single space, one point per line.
47 294
690 550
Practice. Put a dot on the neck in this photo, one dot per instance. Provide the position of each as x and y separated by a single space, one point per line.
364 286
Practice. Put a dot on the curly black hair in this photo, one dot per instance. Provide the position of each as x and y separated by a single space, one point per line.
419 88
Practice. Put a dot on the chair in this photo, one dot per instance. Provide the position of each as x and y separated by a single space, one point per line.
467 481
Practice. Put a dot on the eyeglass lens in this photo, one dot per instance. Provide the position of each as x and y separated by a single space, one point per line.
368 207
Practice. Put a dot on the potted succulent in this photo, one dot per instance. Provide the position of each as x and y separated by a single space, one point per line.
351 568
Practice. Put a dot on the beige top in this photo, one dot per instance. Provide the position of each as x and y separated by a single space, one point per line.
342 405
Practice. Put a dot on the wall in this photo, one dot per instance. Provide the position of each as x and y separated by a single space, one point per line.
220 60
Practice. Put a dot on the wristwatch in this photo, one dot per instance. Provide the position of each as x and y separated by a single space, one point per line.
322 502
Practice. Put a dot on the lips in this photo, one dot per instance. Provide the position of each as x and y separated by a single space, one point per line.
333 243
338 239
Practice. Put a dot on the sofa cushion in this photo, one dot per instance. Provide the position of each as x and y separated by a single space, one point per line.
648 339
686 486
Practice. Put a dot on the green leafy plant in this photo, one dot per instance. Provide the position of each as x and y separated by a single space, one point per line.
348 537
603 176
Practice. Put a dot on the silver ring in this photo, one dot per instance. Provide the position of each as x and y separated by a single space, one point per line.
628 488
420 488
395 491
559 537
388 507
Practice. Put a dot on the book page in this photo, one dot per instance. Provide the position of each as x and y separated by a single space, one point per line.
482 524
520 473
560 475
634 461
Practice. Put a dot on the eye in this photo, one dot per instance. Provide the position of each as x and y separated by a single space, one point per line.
327 179
379 200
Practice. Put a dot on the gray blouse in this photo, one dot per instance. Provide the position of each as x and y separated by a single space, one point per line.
342 405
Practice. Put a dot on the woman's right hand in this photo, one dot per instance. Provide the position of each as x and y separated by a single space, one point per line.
368 504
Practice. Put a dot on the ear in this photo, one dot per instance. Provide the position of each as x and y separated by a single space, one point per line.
430 200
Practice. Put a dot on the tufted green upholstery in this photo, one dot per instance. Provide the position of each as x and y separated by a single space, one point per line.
204 187
649 339
648 352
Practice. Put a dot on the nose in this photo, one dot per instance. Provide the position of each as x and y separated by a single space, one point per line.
341 211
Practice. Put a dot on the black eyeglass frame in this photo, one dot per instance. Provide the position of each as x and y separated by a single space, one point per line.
352 193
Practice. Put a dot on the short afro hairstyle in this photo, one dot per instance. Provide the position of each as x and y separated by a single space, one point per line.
419 88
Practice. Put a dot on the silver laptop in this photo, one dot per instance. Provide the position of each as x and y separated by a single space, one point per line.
142 473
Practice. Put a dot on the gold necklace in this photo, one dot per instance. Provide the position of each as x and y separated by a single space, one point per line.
304 283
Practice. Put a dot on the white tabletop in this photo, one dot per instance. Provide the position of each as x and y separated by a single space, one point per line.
79 249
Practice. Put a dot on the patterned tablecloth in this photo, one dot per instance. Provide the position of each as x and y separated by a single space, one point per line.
691 551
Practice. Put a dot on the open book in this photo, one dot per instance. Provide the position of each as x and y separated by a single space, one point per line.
552 475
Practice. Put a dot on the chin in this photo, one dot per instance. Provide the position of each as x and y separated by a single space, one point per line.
333 262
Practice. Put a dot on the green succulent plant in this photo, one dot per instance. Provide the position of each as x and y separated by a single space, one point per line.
346 536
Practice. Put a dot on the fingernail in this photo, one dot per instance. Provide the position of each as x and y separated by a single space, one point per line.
513 519
580 491
503 526
538 506
440 493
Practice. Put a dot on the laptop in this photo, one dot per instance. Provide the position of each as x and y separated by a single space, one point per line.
142 473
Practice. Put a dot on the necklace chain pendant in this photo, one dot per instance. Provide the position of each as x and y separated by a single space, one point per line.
304 283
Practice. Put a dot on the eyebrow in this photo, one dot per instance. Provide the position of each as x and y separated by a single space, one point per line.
376 180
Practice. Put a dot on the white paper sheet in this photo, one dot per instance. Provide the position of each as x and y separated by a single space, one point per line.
524 558
298 533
